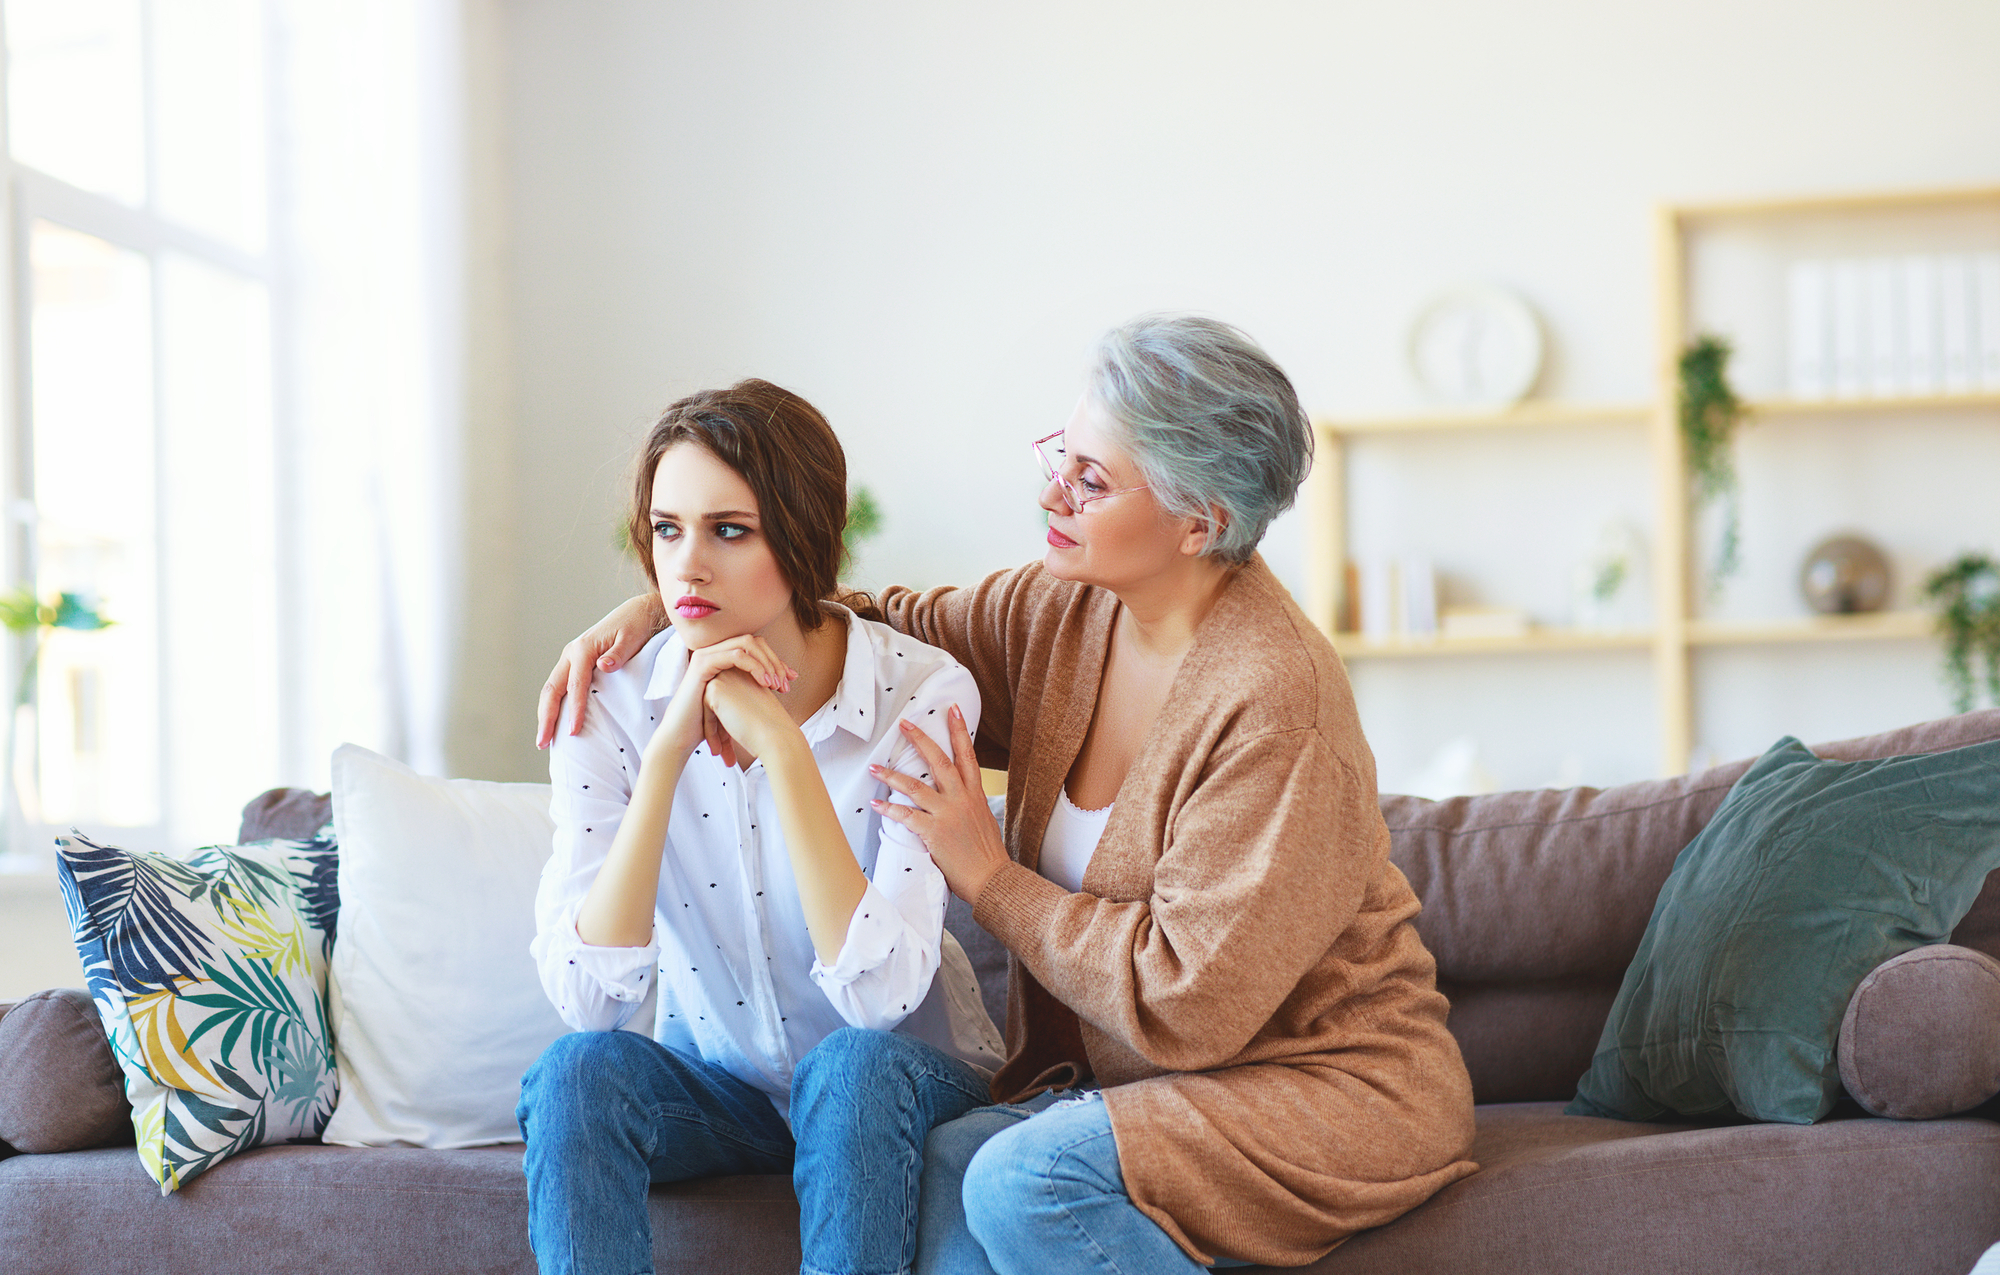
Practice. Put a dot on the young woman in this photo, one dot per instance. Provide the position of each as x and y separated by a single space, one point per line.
1212 950
749 884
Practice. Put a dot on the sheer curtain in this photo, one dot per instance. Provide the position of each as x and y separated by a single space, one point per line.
370 172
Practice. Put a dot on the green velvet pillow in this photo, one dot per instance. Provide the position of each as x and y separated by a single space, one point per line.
1810 875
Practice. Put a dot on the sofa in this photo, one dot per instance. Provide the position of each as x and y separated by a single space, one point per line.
1533 902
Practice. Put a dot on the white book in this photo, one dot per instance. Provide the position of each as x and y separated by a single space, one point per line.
1378 599
1955 334
1807 320
1850 332
1882 304
1922 369
1419 581
1986 308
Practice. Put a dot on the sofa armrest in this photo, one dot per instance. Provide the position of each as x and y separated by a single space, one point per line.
60 1087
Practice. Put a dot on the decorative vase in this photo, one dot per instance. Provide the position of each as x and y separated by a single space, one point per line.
1845 575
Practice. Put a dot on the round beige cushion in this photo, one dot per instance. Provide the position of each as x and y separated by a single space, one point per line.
1921 1036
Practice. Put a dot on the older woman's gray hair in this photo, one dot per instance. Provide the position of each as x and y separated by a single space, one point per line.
1211 420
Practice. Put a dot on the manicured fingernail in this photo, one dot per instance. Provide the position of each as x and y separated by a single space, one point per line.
907 727
876 770
879 805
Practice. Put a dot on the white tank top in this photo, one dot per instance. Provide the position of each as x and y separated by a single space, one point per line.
1070 841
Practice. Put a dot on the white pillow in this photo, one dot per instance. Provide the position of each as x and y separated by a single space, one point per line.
437 1008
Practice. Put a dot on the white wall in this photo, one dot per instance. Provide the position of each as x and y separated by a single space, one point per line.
919 216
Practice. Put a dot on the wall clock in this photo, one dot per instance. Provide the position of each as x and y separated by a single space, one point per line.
1476 346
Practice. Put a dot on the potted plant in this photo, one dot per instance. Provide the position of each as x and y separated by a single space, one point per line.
1710 413
1967 591
33 620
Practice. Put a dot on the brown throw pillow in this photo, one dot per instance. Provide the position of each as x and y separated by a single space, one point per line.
1921 1036
60 1088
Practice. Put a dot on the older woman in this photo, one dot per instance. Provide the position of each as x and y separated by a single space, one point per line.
1214 960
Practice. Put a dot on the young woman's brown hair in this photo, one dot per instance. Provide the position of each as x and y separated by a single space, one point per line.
787 453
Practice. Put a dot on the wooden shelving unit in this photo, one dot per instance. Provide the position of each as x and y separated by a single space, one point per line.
1354 646
1678 632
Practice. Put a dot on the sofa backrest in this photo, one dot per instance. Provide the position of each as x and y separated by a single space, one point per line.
1534 902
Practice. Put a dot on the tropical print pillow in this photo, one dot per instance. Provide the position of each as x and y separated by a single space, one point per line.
209 969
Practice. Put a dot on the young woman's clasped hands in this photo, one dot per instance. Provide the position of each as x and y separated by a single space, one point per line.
730 693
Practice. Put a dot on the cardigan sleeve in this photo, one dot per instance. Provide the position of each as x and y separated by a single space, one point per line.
1267 861
974 625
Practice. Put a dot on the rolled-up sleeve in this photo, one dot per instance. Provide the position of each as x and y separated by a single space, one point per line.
590 776
891 951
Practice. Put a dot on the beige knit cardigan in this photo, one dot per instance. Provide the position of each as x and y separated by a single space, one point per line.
1240 972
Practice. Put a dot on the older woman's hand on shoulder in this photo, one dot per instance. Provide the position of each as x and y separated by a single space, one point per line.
604 646
950 813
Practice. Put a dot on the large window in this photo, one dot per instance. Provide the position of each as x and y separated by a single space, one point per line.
141 469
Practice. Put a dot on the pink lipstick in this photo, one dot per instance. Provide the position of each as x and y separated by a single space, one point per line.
695 607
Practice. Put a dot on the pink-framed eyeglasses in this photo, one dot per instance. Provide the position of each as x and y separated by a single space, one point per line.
1052 472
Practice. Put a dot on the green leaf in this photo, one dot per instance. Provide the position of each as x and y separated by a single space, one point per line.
19 611
72 612
1710 413
1967 591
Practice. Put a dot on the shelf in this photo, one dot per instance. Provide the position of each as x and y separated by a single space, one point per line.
1876 626
1870 406
1821 205
1529 415
1673 649
1352 646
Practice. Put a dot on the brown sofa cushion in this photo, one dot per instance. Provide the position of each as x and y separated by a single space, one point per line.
1571 1195
1921 1036
1553 889
352 1209
60 1088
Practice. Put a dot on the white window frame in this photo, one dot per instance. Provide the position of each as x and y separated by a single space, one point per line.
31 196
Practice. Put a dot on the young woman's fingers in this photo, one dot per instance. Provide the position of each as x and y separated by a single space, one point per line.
780 673
710 662
751 654
759 669
718 740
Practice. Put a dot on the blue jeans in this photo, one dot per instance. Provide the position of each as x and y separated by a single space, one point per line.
1035 1189
862 1102
902 1165
605 1114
